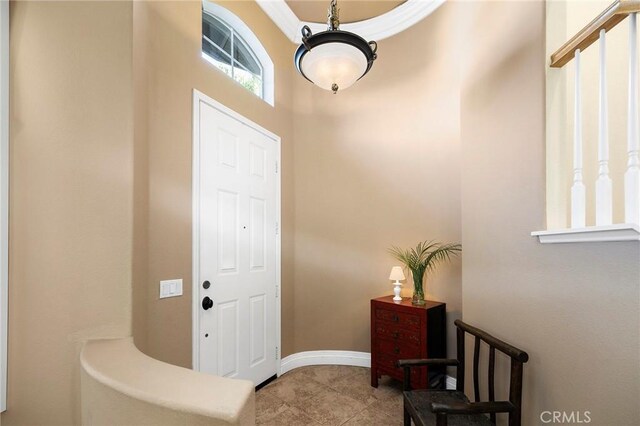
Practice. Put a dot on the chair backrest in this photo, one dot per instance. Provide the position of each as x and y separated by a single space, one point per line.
518 358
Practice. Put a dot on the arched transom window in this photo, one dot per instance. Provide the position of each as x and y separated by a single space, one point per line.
232 47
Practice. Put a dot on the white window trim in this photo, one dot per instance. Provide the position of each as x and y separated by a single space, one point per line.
4 196
590 234
242 30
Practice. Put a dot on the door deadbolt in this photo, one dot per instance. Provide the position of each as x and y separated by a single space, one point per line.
207 303
206 285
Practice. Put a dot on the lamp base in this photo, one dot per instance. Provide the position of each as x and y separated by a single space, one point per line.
397 286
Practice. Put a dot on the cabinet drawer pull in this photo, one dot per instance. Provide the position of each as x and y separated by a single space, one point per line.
396 350
396 334
395 318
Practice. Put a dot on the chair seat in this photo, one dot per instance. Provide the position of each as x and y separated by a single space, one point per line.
419 401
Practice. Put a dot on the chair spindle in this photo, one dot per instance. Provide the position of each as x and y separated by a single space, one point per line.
461 356
476 361
515 392
491 379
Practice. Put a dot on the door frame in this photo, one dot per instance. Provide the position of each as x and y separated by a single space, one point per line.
4 198
195 203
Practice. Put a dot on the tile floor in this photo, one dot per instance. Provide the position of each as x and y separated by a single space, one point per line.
329 395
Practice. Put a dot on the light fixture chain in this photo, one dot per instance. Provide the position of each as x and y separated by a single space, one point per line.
333 16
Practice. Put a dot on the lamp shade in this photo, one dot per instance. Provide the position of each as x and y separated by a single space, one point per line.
396 274
334 64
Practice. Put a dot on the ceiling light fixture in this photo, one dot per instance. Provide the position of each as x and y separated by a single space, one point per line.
334 59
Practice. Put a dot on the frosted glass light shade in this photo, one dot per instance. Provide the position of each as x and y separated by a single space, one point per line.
396 274
334 59
334 63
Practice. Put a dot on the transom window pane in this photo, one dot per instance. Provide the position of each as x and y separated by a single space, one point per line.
218 41
250 81
220 58
217 32
245 58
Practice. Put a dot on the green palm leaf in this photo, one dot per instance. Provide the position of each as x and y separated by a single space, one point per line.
426 255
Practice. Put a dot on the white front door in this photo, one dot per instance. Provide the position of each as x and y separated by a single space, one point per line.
235 257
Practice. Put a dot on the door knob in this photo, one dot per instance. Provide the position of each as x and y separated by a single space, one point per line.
207 303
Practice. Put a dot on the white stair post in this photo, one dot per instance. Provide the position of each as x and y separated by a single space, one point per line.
632 175
578 204
604 199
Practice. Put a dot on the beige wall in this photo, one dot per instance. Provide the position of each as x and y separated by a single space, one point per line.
347 213
170 33
374 166
572 307
71 198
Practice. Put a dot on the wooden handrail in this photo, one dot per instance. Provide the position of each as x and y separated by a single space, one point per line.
608 19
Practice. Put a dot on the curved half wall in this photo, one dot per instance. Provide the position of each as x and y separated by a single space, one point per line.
121 385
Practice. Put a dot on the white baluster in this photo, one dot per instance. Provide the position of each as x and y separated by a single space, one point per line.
603 184
632 175
578 205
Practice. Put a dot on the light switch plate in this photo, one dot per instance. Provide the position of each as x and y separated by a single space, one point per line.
170 288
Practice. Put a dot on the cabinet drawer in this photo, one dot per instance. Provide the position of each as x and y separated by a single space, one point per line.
397 350
388 365
395 332
400 318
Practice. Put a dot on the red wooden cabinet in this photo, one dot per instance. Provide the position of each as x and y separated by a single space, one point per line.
404 331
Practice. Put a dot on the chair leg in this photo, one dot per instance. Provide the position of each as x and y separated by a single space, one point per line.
407 416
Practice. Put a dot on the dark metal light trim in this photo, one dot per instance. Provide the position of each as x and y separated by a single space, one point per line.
309 41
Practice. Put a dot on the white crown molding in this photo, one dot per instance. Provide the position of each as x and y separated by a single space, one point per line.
282 15
376 28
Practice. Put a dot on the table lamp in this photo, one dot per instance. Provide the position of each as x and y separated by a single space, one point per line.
397 275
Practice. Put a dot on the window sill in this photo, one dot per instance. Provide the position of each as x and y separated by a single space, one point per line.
590 234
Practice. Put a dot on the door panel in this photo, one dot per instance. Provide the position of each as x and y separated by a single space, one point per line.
258 240
237 247
258 160
229 342
228 219
258 341
228 146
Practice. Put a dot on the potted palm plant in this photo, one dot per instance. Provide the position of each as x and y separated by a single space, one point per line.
424 258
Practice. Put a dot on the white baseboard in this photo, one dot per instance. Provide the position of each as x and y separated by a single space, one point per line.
303 359
451 383
350 358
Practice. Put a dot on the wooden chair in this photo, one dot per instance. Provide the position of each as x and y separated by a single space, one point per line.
452 407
